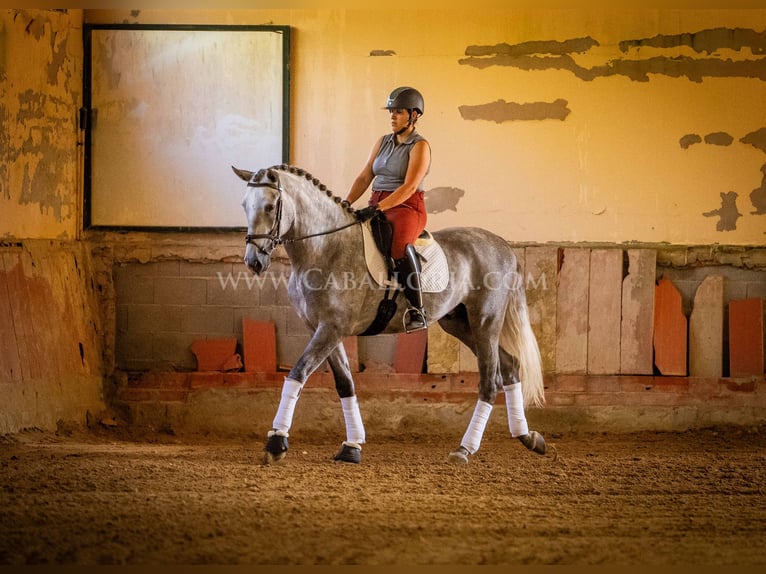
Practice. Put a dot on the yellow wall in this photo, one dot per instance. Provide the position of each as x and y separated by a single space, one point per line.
40 93
613 170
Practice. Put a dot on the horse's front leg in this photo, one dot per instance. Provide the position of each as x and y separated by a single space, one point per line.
351 449
322 343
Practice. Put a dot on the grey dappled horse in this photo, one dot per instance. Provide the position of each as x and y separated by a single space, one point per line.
484 304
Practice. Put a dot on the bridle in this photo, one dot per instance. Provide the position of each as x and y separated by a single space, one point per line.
273 234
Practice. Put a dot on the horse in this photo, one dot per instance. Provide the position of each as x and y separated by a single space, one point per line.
483 305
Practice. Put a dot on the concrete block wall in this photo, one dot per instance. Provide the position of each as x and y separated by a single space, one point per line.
162 307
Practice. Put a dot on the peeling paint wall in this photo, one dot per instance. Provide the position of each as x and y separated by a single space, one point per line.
41 87
550 125
51 327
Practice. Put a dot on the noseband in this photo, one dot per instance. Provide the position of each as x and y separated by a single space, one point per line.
273 234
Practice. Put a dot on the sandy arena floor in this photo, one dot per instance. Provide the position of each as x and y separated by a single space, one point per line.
636 499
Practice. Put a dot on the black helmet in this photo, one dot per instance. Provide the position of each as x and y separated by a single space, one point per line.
406 98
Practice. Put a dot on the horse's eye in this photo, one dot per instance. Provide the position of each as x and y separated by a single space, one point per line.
269 208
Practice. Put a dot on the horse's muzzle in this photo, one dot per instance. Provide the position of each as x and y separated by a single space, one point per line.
256 262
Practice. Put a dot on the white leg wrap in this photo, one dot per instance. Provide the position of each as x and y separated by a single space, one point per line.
472 437
291 390
354 426
514 402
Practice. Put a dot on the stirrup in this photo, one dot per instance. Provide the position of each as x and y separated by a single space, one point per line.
418 324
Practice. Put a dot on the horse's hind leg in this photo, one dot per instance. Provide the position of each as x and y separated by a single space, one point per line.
514 402
456 324
486 348
351 449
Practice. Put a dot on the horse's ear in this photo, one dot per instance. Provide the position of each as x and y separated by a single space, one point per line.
243 173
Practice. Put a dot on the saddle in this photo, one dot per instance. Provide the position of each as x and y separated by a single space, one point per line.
380 264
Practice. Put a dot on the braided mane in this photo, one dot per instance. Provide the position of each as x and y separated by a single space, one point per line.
342 203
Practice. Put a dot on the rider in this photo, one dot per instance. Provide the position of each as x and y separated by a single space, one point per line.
396 167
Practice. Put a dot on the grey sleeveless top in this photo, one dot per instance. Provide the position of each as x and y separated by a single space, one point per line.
390 165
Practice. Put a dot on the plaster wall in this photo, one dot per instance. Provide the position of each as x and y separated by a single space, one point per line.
40 151
550 125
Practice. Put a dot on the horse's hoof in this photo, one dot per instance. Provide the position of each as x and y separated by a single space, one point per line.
534 441
459 456
276 447
349 452
270 458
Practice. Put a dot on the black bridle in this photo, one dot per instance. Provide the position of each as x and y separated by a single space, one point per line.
273 234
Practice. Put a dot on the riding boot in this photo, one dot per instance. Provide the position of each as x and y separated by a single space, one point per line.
408 276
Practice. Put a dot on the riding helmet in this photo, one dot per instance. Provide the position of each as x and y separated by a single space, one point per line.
406 98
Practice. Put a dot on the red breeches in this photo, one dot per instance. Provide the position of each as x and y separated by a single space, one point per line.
407 219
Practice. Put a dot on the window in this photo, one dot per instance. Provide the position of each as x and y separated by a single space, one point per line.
168 110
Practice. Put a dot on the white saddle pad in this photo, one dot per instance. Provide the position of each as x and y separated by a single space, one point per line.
434 275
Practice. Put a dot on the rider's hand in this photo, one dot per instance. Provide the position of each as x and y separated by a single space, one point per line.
366 213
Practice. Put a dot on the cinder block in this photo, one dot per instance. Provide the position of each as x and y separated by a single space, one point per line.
236 290
180 291
746 337
706 329
208 320
410 352
173 349
259 345
669 330
131 288
154 318
572 312
212 269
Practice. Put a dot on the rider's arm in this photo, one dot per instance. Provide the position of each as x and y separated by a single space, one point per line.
365 177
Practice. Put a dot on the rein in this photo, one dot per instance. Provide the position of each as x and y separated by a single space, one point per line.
273 234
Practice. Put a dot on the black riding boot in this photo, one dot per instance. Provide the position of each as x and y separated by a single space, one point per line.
408 275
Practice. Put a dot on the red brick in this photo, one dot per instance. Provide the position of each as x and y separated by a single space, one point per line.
745 387
206 380
669 330
158 379
603 384
659 399
599 399
746 337
213 354
259 344
154 395
410 352
233 363
569 383
272 378
240 380
637 384
671 385
560 399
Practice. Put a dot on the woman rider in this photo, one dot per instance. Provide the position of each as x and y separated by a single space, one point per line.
396 167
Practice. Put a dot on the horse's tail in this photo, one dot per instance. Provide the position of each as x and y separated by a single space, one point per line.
518 339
